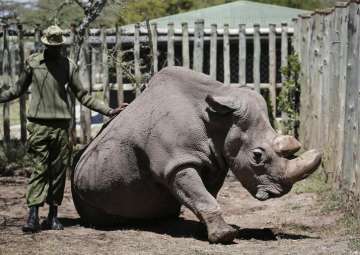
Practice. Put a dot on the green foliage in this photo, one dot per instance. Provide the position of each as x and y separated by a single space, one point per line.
137 11
13 157
140 10
300 4
272 119
316 183
289 96
45 12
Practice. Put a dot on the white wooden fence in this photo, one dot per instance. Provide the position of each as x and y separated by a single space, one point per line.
247 56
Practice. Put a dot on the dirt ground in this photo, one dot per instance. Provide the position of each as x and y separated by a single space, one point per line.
293 224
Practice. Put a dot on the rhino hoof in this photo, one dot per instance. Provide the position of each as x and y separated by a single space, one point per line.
223 235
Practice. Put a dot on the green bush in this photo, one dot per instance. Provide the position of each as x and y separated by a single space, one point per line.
289 97
14 159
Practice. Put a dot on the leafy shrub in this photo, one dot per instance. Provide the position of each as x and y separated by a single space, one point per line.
14 159
289 97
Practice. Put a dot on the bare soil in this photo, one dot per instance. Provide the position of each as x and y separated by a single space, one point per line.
293 224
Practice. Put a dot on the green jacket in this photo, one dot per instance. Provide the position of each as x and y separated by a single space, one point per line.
49 79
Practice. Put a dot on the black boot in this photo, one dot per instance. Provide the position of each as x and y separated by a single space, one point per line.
52 222
32 225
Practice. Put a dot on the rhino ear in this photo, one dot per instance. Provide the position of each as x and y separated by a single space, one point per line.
221 105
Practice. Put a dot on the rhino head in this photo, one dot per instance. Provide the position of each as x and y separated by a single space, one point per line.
262 160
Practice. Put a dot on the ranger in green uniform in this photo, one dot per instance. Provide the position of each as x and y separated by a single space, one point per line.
49 74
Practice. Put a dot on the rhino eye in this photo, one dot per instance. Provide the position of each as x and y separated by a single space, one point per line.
258 155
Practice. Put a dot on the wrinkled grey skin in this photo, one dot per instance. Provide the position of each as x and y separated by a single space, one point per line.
174 145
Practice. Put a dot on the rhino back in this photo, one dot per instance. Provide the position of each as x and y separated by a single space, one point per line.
162 129
169 112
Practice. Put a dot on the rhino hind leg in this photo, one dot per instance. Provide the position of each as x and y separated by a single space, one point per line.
91 216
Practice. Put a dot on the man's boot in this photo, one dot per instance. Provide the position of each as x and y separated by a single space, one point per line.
32 225
52 222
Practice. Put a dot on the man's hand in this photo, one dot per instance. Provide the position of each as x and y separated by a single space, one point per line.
116 111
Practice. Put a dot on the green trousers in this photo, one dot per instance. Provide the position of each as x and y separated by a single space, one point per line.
49 148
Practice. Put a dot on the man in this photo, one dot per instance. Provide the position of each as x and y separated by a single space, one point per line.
49 74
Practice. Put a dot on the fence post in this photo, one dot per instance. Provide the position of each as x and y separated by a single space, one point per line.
85 113
257 54
22 100
272 67
118 66
71 95
335 111
185 45
310 115
351 102
170 45
304 73
213 52
105 65
356 137
37 37
326 82
137 59
295 40
321 78
6 72
284 47
315 82
198 46
226 55
94 66
303 51
242 54
333 90
155 47
284 56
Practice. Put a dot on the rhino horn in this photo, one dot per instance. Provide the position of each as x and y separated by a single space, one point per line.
301 167
286 145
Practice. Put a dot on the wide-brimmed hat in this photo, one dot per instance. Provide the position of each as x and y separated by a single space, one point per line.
53 36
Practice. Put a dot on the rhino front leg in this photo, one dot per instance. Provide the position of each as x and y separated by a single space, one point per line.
191 192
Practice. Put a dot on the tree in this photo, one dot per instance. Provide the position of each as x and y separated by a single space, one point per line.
44 12
9 10
300 4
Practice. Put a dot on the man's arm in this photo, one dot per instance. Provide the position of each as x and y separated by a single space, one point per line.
84 96
19 88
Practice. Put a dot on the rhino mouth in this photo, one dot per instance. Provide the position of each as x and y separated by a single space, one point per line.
263 195
272 188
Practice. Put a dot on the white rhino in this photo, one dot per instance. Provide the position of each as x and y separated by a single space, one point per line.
175 144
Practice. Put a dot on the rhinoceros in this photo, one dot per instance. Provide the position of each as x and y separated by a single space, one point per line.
174 145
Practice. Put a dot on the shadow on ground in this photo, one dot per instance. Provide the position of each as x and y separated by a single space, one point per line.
191 229
267 234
